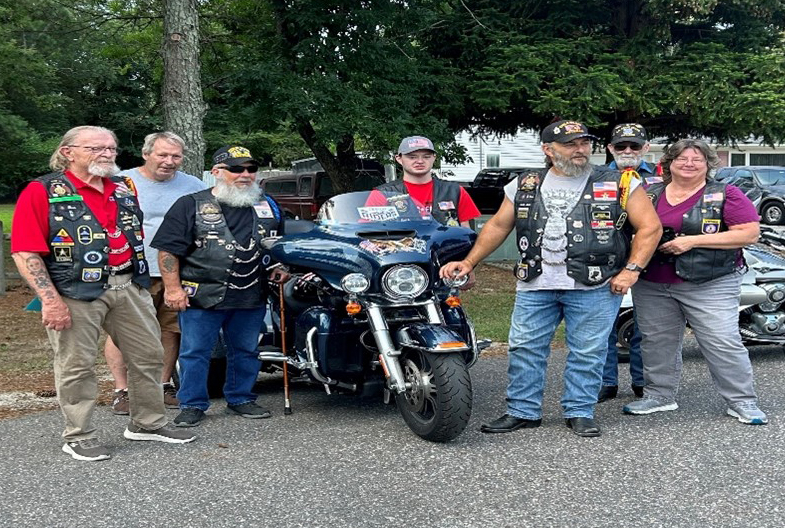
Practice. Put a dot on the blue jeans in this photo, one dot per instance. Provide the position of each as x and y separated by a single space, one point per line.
199 334
610 374
588 316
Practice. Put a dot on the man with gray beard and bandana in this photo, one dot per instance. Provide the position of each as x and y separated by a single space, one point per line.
574 224
77 240
215 272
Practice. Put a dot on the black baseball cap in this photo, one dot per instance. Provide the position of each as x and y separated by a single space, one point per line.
629 133
564 132
232 156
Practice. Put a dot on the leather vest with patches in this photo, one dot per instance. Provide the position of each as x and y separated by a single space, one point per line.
598 236
78 261
444 203
705 217
205 272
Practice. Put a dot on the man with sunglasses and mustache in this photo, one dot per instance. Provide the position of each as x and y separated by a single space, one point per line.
77 240
215 273
628 146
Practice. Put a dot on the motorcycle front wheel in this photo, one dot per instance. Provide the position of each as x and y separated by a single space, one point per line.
438 404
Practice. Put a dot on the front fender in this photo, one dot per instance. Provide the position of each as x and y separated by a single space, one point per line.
433 338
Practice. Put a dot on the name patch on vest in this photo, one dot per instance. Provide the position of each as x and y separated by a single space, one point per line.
710 226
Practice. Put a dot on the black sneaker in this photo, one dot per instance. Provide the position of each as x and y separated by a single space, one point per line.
88 450
189 417
248 410
162 434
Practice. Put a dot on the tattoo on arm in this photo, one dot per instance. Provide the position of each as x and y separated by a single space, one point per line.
169 263
39 278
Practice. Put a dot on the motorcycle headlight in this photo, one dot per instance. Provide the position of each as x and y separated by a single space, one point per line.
404 281
355 283
456 283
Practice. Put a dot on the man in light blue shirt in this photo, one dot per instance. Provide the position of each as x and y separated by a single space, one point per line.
158 184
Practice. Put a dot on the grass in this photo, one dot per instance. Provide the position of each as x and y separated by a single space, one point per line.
6 216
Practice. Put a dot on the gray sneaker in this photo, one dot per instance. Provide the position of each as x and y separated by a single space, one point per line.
88 450
248 410
748 413
167 434
189 417
648 405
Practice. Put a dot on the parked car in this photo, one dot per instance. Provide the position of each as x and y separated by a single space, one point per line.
764 185
301 195
487 189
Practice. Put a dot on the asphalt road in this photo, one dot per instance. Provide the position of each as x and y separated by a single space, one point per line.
342 462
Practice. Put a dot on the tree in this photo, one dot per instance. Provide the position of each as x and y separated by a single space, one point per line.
183 104
709 68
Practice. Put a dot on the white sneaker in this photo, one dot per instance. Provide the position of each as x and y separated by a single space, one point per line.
87 450
648 405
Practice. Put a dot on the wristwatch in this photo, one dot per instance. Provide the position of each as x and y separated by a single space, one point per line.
633 267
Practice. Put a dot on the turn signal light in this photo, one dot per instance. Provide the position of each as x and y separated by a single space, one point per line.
353 308
453 301
451 344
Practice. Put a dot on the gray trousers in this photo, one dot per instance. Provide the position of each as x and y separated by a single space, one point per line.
711 309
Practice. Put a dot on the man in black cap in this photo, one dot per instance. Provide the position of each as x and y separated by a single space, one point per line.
571 222
214 271
629 144
447 202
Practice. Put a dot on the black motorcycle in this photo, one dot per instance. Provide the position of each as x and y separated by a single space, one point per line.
366 309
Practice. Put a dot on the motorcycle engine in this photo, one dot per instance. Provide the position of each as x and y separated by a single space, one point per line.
768 323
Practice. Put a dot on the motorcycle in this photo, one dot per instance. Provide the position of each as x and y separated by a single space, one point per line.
366 309
761 312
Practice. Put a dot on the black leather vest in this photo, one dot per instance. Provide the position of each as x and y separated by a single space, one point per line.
598 238
702 264
78 262
205 271
444 204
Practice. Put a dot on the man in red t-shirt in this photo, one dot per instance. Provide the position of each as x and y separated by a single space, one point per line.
77 241
447 202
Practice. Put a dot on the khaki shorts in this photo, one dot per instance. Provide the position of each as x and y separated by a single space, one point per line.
167 317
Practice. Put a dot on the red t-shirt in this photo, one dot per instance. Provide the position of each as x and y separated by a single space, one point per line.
738 209
30 230
422 194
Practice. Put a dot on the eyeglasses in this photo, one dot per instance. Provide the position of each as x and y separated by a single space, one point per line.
621 147
98 150
694 161
239 169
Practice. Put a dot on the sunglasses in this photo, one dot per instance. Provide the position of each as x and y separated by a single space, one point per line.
621 147
239 169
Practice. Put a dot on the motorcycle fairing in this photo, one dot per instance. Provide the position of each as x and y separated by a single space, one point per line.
431 338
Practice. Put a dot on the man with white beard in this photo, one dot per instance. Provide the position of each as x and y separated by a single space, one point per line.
571 222
215 272
77 240
629 144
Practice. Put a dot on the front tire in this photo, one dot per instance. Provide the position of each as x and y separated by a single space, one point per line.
773 213
438 405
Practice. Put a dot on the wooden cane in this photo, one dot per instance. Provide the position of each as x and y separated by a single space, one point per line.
287 405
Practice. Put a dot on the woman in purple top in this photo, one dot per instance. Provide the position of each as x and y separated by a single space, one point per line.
695 278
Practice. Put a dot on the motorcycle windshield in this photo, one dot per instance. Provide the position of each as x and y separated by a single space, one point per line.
372 207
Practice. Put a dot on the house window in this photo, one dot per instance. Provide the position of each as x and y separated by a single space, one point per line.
492 160
737 159
767 159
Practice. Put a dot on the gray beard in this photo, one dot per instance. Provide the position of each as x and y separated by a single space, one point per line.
623 161
103 171
237 196
569 168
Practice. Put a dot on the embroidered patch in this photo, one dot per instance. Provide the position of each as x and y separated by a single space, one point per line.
91 274
710 226
84 234
605 191
446 206
92 257
595 274
62 238
190 288
263 210
63 254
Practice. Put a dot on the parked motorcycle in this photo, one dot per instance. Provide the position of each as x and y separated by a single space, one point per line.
761 311
366 308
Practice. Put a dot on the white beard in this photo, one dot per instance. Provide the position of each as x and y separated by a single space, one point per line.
627 160
103 171
237 196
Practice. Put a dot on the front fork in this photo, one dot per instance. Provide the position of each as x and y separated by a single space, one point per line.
388 354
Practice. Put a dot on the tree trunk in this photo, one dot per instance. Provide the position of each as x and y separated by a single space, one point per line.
341 168
182 99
